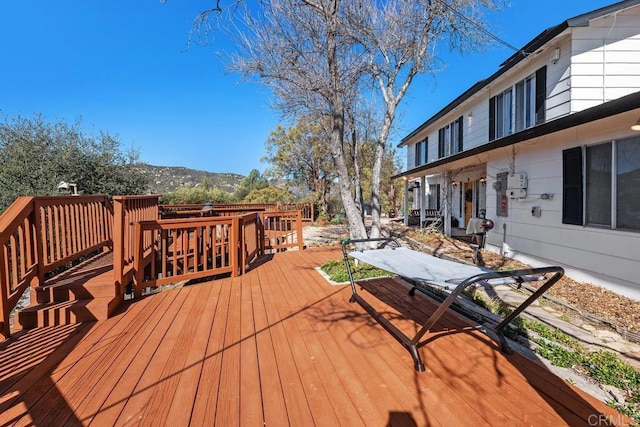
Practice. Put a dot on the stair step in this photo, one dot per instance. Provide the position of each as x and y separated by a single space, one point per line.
76 291
63 313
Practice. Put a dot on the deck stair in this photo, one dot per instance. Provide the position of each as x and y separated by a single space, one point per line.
85 292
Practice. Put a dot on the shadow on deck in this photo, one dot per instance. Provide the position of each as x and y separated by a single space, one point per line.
277 346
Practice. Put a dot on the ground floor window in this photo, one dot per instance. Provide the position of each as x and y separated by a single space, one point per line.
601 185
433 201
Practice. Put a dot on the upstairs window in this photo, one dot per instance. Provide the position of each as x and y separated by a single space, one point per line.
509 113
421 152
450 139
525 103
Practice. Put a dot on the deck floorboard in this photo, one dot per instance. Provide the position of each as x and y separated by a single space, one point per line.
277 346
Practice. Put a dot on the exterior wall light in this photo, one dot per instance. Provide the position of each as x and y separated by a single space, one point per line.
71 187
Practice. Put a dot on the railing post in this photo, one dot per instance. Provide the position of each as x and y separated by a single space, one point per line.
261 233
234 245
118 243
138 261
5 310
242 255
40 237
299 230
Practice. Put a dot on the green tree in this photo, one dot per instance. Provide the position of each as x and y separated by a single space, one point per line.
301 154
188 195
36 155
253 181
269 195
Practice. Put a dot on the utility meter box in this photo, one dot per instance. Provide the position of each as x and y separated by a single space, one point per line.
516 181
520 193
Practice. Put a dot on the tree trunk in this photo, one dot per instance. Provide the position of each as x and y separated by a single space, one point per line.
376 222
357 229
356 178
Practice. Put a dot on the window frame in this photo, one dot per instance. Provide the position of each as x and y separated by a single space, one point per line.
421 151
576 180
450 138
518 107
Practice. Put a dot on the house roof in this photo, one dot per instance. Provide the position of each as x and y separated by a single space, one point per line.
531 47
601 111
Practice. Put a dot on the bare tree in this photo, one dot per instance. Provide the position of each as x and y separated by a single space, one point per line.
319 55
300 51
399 39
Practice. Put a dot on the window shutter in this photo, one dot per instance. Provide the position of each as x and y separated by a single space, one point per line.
460 126
492 118
541 94
426 149
441 143
572 186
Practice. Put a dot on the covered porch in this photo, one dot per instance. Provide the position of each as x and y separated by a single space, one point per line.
456 194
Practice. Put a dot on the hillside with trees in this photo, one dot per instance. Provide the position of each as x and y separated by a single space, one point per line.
166 179
37 155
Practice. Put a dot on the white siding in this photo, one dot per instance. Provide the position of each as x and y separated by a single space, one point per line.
599 252
606 59
558 102
477 126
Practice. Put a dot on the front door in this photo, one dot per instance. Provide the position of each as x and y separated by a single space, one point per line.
468 202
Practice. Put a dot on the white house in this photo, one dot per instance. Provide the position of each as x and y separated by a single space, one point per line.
545 148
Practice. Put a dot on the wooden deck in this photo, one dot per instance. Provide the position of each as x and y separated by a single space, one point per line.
277 346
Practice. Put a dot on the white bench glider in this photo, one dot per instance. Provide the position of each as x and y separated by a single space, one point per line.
454 276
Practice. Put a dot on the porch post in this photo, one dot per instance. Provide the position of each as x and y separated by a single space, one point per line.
406 202
423 203
448 197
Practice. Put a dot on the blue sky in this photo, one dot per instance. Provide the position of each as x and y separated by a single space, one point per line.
123 66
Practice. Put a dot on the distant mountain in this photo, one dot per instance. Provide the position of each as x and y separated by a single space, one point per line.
164 179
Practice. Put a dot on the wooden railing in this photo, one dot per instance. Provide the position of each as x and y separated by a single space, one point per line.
249 239
281 230
185 249
306 210
127 211
247 206
40 234
191 248
19 259
70 227
229 209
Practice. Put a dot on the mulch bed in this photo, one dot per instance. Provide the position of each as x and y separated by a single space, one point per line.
587 298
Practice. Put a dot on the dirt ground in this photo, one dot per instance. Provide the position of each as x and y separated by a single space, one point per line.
593 301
